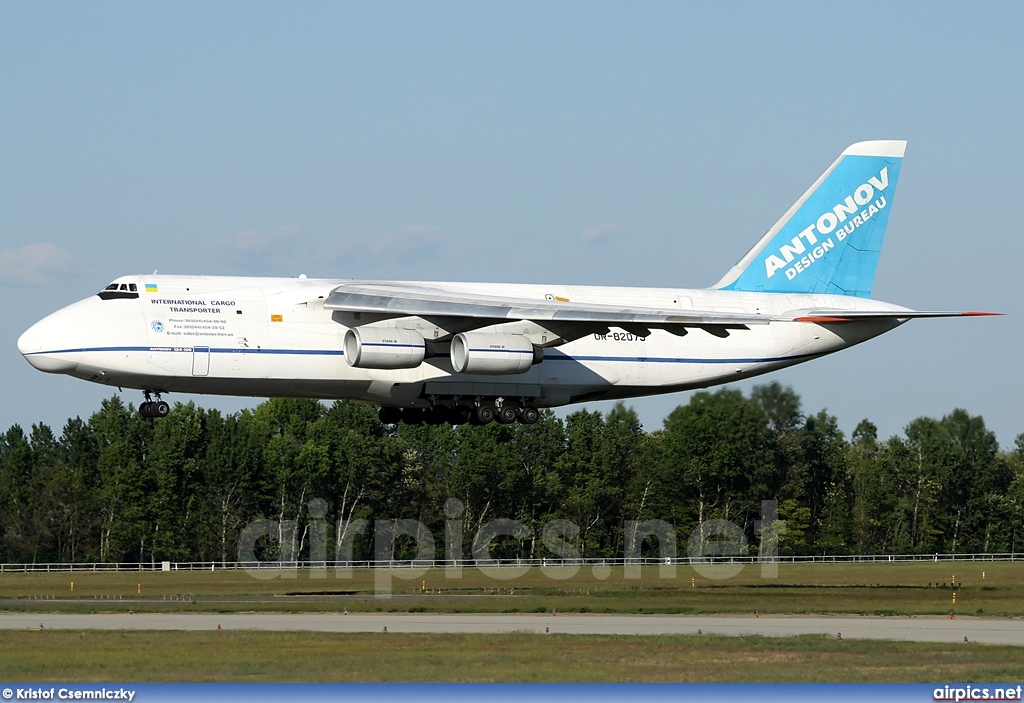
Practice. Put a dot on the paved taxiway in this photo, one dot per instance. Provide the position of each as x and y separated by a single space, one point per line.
919 629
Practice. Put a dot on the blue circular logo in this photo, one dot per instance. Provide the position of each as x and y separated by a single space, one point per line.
157 326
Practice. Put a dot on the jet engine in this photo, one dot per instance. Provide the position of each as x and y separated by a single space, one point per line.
383 348
493 354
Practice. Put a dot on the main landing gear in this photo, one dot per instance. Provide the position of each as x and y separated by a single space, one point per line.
151 408
481 412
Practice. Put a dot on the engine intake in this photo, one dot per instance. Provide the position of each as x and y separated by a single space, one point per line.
384 348
492 354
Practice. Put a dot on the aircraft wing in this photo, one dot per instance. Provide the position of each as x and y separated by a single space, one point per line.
425 301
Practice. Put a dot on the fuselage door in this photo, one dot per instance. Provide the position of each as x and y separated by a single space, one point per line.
200 361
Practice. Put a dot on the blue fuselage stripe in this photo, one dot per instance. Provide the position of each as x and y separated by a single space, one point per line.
189 350
679 360
556 356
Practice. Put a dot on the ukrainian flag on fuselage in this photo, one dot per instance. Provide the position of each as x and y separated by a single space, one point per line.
830 239
151 288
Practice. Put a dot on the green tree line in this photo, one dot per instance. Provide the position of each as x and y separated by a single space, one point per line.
119 487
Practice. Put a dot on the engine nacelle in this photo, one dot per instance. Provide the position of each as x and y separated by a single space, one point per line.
384 348
493 354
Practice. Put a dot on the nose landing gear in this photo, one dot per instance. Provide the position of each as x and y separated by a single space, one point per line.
151 408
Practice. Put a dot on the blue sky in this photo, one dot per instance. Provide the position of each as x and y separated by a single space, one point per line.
590 142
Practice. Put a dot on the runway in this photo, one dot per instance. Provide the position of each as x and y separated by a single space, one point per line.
917 629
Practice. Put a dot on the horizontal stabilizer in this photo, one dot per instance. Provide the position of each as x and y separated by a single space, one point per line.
835 316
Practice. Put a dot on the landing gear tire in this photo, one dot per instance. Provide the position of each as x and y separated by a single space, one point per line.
460 415
154 409
414 416
529 416
505 415
389 416
482 415
437 415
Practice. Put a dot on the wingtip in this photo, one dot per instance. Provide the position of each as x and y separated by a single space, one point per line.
981 314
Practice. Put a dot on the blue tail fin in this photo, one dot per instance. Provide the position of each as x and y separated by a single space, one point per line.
830 239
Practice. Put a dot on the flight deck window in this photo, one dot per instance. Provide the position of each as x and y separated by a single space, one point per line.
120 291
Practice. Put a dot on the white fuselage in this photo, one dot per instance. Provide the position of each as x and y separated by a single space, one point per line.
272 337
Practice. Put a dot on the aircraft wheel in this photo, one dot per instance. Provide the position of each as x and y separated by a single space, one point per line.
160 409
506 415
529 416
483 414
389 415
437 415
413 416
145 409
460 415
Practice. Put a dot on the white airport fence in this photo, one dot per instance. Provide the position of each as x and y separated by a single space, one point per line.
491 563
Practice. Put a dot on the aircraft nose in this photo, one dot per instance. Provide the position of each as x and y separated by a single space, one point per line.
39 347
32 340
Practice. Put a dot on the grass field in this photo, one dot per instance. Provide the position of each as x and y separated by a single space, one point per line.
983 588
881 588
74 656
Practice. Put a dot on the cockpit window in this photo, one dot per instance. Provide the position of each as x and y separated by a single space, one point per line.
119 291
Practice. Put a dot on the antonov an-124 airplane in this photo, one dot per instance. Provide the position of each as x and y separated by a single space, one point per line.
481 352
